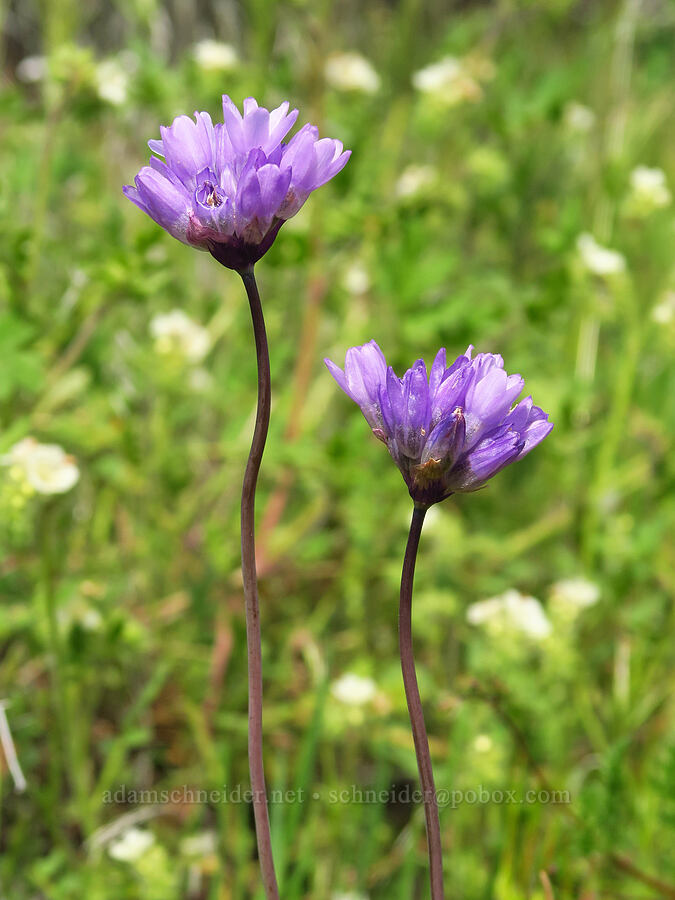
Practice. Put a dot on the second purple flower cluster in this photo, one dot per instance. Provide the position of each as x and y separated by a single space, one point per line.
448 431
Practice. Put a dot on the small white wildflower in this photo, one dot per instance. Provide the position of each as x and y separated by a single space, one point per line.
511 611
50 470
215 56
526 614
483 743
199 845
131 845
47 468
79 612
356 279
351 72
577 593
353 690
664 311
112 82
447 81
649 187
176 332
32 69
349 895
484 611
413 180
19 453
578 119
598 259
437 76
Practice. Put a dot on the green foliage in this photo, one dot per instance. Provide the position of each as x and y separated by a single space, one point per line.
122 634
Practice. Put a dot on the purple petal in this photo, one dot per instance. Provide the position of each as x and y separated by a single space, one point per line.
338 375
187 149
437 371
365 369
330 171
299 156
519 416
159 197
535 427
484 461
396 402
451 392
364 374
256 127
489 400
413 427
273 187
446 441
280 125
388 421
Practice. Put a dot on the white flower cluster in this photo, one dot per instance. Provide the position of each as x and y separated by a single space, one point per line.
176 332
215 56
351 72
575 593
511 611
452 80
131 845
578 119
354 690
350 895
515 612
648 192
413 180
47 468
664 311
356 279
597 259
649 189
112 81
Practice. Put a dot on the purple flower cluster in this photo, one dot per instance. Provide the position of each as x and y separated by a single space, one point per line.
228 188
450 431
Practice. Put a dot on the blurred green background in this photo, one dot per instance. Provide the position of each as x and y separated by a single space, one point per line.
458 220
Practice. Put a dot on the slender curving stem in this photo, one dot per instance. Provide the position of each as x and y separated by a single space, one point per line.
248 568
412 696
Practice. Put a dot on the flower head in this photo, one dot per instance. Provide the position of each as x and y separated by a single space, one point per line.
351 72
215 56
511 611
598 259
47 468
228 188
177 332
449 431
413 180
354 690
649 188
112 81
664 311
576 593
578 119
448 81
131 845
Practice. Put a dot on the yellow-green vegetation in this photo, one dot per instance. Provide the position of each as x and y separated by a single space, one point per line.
510 188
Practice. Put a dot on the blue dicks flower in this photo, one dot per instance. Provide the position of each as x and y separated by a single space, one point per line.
448 432
228 188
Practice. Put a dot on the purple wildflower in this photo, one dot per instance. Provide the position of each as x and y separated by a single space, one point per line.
228 188
449 432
